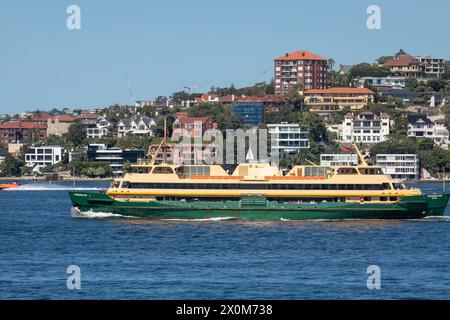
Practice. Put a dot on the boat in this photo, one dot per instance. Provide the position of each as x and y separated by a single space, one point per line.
11 185
260 191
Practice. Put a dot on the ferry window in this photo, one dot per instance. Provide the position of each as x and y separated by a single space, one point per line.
162 170
383 198
386 186
393 199
398 186
347 171
196 171
116 184
125 184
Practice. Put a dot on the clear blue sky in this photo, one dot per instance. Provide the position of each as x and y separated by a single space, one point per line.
162 46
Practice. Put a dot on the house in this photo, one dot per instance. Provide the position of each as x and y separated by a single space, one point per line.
299 70
339 159
58 125
116 157
98 129
22 131
137 126
192 126
366 127
420 126
403 94
394 82
288 138
338 98
207 97
433 67
400 166
403 64
44 156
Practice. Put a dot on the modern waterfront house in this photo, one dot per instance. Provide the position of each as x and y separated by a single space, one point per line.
400 166
44 156
116 157
288 138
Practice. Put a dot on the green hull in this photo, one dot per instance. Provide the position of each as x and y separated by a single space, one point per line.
414 207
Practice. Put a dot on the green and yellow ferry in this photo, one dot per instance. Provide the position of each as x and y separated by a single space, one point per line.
260 191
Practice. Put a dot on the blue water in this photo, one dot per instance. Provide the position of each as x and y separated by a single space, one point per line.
139 259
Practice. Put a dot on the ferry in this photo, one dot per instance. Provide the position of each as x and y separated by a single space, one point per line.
260 191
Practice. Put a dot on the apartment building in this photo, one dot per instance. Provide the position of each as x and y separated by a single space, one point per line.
339 159
299 70
338 98
288 138
44 156
59 125
192 126
400 166
22 131
433 68
366 127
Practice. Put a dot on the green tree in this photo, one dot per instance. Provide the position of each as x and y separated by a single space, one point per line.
10 167
76 134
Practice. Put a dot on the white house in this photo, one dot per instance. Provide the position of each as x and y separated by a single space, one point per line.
400 166
288 138
44 156
366 127
138 126
420 126
99 129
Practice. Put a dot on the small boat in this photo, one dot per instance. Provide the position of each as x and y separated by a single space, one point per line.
11 185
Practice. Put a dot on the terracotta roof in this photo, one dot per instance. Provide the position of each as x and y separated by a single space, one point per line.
40 116
22 125
301 55
340 90
64 118
402 60
194 119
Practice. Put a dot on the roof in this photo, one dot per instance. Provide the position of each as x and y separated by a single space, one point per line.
419 118
401 60
340 90
194 119
301 55
64 118
22 125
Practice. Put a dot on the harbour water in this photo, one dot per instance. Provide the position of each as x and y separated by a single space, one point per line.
129 258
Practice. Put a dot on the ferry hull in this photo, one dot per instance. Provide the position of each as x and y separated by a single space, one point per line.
414 207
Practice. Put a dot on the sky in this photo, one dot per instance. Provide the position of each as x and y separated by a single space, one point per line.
163 46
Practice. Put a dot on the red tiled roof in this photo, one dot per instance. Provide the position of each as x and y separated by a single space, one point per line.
340 90
40 116
402 60
301 55
22 125
194 119
64 118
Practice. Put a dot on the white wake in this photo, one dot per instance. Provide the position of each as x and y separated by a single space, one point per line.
76 213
